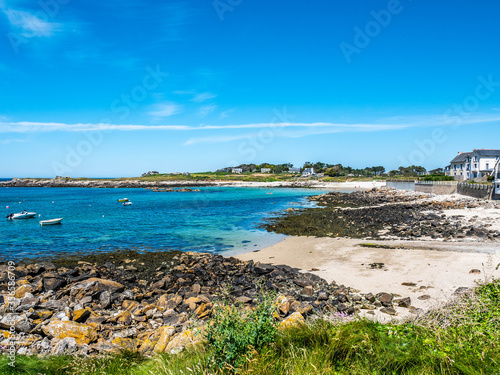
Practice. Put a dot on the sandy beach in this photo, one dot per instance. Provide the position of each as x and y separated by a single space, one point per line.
436 268
428 270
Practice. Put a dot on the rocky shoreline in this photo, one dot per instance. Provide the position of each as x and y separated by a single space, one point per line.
154 302
103 184
387 214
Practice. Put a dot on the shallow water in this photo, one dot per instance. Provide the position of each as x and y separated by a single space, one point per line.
218 219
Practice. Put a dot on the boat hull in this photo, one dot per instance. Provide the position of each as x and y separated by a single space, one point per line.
51 222
19 216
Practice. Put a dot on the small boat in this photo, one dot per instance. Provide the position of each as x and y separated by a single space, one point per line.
123 200
21 215
51 222
127 203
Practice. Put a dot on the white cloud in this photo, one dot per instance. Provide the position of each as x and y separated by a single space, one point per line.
207 109
7 141
290 130
162 110
226 113
29 25
204 96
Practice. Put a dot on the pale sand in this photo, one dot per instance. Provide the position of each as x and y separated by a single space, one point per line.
317 184
440 267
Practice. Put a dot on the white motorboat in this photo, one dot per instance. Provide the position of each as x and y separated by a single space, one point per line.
127 203
51 221
21 215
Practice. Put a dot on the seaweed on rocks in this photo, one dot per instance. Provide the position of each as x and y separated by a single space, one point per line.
380 214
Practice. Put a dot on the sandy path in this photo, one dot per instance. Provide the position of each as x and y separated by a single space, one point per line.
438 268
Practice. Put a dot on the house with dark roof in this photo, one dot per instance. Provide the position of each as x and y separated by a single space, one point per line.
475 164
460 166
484 163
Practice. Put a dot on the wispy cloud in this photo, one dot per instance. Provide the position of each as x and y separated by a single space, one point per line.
162 110
7 141
226 113
29 25
290 130
204 96
207 109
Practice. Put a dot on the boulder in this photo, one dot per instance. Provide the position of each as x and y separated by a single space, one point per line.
385 299
105 299
388 310
164 337
182 340
94 286
403 302
83 334
81 315
293 320
66 346
53 283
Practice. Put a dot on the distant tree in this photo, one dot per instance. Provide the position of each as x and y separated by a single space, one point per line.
319 167
394 172
437 171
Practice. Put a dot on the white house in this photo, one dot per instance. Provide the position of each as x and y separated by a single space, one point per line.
237 170
475 164
265 170
308 172
483 162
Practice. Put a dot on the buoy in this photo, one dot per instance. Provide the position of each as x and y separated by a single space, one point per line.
7 207
52 201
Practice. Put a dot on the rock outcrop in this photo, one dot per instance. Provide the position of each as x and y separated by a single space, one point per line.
154 302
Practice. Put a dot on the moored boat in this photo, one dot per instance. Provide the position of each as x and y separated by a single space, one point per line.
127 203
123 200
21 215
51 221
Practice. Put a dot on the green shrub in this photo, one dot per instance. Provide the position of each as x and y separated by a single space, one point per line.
233 334
438 177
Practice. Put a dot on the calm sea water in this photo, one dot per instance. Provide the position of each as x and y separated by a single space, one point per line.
217 219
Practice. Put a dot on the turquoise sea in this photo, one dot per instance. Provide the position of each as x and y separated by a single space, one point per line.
216 219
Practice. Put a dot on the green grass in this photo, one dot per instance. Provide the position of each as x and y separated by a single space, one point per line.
460 338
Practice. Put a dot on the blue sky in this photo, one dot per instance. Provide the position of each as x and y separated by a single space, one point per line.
117 88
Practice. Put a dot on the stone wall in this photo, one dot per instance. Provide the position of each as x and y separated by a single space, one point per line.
436 187
401 184
475 190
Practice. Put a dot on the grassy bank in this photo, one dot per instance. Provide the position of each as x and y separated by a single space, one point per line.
460 338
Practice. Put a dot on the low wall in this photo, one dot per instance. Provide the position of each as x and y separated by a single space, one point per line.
475 190
401 185
436 187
